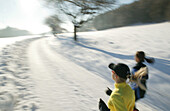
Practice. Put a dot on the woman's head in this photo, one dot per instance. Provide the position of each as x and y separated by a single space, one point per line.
140 57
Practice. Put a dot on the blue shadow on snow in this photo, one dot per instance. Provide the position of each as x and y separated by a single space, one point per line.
160 64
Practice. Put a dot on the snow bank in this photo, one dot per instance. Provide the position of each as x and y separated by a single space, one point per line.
11 40
16 84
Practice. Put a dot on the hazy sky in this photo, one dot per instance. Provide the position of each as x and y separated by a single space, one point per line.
23 14
26 14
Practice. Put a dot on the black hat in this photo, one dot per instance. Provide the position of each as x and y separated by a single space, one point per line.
122 70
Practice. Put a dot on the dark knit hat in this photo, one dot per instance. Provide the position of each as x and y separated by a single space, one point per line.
122 70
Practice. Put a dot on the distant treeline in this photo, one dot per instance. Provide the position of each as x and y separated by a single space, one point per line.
11 32
142 11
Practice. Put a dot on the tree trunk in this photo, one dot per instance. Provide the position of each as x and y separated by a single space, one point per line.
75 30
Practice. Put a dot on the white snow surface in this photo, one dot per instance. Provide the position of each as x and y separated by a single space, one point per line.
58 74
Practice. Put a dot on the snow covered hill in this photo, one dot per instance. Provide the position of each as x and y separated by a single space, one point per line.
57 74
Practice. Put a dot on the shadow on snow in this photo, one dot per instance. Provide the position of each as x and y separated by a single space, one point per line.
160 64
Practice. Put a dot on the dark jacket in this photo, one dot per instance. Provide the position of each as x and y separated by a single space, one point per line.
139 93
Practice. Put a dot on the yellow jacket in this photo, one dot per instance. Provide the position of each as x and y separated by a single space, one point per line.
122 98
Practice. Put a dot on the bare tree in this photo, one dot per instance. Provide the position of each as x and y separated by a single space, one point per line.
81 11
54 23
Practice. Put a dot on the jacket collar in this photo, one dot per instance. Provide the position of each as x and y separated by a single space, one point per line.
120 85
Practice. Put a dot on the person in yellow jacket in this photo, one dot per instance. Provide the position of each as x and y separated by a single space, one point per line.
122 98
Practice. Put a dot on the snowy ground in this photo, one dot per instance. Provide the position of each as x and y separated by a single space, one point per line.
56 74
10 40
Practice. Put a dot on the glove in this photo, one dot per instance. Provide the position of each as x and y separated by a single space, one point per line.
108 91
103 106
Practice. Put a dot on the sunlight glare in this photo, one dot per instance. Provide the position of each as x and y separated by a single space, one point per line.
29 6
69 26
31 10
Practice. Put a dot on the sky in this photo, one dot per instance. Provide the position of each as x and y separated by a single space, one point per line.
28 15
24 14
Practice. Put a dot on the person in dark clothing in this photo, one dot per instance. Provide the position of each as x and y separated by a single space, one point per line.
140 59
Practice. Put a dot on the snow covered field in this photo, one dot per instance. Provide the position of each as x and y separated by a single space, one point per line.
10 40
57 74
